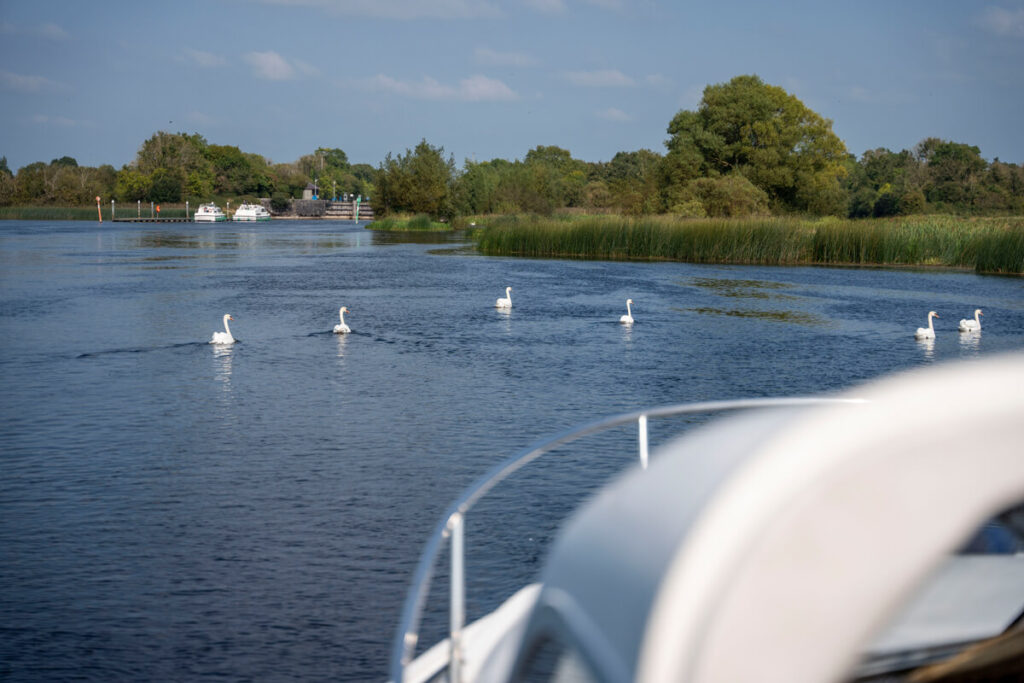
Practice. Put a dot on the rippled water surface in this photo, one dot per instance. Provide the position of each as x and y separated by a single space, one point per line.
171 510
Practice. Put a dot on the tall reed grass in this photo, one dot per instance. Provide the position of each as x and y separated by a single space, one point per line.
990 245
51 213
402 223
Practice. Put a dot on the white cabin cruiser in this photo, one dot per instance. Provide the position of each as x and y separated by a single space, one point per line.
803 540
209 213
251 212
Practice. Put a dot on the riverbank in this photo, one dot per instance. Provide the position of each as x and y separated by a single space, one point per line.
989 245
419 223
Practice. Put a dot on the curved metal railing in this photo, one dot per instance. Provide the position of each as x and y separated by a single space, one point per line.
451 524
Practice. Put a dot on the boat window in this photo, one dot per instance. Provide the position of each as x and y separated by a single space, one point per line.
551 661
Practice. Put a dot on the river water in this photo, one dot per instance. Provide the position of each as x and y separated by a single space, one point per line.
173 510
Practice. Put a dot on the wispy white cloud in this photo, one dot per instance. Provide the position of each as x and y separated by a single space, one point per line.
547 6
206 60
491 57
273 67
30 84
1003 22
59 121
472 89
400 9
49 30
607 78
614 114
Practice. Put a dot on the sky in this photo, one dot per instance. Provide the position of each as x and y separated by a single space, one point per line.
488 79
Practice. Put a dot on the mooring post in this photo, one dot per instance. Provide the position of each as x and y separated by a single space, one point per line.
99 211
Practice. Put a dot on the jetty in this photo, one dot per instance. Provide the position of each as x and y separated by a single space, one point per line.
147 219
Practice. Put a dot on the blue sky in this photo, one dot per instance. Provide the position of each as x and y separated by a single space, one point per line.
492 78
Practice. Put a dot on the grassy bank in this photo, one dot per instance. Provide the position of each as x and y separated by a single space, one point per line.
994 245
419 223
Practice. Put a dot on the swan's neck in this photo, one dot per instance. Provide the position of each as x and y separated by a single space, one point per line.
341 314
629 311
930 324
226 328
976 318
508 294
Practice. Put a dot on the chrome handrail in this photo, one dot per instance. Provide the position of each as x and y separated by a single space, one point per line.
453 521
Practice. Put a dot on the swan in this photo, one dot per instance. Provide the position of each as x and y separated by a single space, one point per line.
968 325
225 336
927 332
507 301
628 318
342 328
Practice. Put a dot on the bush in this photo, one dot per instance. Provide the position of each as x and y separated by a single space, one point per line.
280 202
731 196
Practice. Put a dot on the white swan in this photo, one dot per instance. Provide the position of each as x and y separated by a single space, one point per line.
507 301
968 325
342 328
927 332
225 336
628 318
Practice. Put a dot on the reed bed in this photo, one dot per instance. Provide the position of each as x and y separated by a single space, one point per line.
989 245
418 223
50 213
88 213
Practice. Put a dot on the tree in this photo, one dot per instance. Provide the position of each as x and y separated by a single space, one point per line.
731 196
954 171
4 170
131 185
763 133
421 181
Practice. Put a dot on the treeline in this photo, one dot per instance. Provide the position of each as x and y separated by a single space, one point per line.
175 167
750 149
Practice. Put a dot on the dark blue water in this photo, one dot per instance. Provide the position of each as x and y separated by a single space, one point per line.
172 510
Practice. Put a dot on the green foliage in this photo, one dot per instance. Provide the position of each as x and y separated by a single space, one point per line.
731 196
985 246
280 202
4 170
131 185
419 181
419 223
765 134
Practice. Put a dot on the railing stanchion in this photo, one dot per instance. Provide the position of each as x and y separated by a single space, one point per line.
458 598
642 425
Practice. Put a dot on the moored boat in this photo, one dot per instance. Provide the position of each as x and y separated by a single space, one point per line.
874 535
251 212
209 213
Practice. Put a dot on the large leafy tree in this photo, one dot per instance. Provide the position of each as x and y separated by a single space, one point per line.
763 133
420 181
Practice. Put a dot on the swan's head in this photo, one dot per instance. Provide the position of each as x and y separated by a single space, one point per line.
977 311
629 301
933 314
508 289
228 317
343 309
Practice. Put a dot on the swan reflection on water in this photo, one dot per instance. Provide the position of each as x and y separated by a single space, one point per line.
970 340
342 339
927 346
222 354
